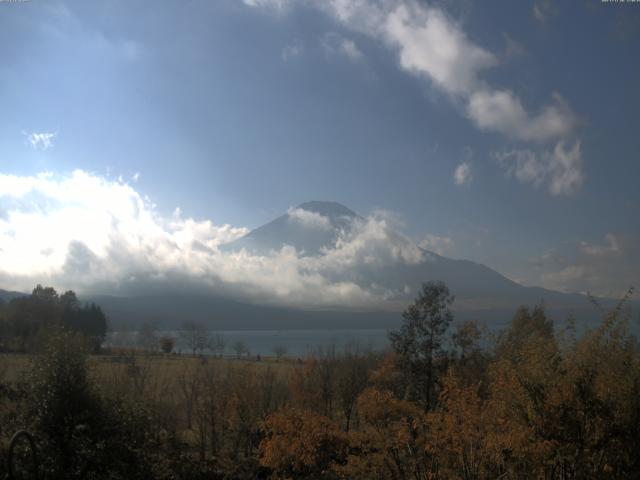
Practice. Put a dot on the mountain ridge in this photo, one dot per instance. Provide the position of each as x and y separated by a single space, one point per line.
314 229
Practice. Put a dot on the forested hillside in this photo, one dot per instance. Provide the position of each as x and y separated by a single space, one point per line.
25 321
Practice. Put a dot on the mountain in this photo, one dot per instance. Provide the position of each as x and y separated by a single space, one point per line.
328 222
342 248
308 228
6 296
316 228
171 311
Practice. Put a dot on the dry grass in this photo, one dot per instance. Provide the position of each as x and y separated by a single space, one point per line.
13 366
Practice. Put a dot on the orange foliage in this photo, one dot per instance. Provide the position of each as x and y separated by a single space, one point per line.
393 442
300 443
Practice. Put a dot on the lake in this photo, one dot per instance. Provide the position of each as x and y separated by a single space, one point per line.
296 343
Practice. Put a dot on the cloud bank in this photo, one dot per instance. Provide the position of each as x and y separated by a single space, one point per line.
560 169
606 268
95 235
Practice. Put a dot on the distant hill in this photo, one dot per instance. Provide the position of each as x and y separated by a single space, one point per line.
6 295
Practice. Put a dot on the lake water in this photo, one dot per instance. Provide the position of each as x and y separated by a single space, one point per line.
296 343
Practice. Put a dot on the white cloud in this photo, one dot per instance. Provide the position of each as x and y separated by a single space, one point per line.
335 44
371 243
462 174
309 219
606 269
561 169
291 51
93 234
513 48
40 140
48 214
542 10
435 243
537 13
350 49
501 111
136 177
612 247
275 4
432 45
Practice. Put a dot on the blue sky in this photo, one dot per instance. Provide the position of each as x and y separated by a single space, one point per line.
502 132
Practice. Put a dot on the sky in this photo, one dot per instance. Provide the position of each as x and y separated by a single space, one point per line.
500 132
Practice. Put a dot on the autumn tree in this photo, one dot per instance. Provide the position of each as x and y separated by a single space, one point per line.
302 444
570 411
466 338
279 351
167 344
352 374
418 343
147 336
26 316
195 336
393 441
306 387
469 359
466 430
525 325
240 348
190 389
211 407
217 344
63 400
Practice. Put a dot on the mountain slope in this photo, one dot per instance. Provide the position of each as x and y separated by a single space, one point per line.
335 246
479 290
308 228
6 295
329 221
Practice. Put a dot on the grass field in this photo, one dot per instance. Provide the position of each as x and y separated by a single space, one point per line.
177 383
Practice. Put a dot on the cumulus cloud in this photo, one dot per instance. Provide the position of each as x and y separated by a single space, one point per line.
49 218
373 243
561 169
435 243
276 4
93 234
462 174
40 140
291 51
542 10
501 111
513 48
612 247
309 219
607 268
432 45
335 44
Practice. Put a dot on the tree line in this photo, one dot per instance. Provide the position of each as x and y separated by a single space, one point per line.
26 321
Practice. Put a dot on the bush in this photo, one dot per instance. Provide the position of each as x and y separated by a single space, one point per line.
81 434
